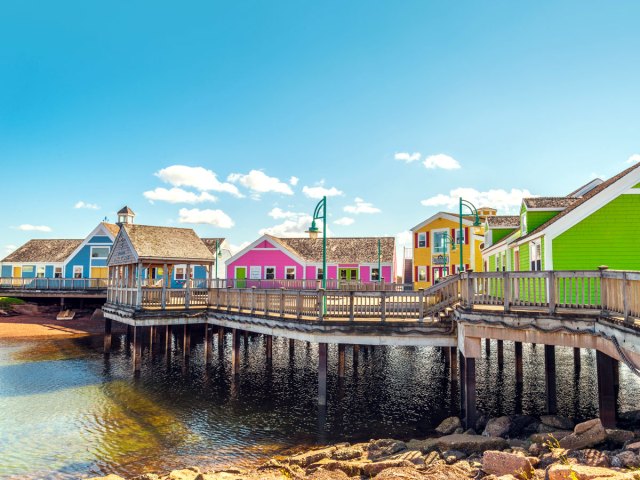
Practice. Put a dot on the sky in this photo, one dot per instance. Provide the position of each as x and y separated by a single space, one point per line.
234 118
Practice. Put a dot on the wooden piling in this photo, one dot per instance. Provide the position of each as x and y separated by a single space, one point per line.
235 352
470 392
207 345
137 350
606 389
107 335
500 350
341 356
269 347
322 374
518 362
550 378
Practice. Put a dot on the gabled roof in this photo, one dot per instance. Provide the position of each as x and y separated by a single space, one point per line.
169 243
43 251
211 243
503 221
340 249
112 227
549 202
454 217
587 196
125 211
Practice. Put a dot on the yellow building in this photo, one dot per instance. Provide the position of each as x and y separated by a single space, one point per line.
433 240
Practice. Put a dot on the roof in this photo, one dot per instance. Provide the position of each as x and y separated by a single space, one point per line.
44 251
125 211
590 194
167 243
112 227
454 217
579 192
340 249
549 202
503 221
211 243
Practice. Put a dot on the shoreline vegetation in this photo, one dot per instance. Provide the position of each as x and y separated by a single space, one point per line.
515 447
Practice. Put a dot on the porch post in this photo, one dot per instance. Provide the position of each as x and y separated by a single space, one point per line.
269 347
165 279
292 347
576 359
186 341
187 299
139 286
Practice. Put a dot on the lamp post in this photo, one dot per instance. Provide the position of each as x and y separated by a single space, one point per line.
379 263
472 209
320 212
217 255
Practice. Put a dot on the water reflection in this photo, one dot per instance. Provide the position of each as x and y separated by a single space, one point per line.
66 409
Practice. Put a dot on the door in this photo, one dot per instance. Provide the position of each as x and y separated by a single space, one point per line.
348 274
439 272
241 277
17 273
99 272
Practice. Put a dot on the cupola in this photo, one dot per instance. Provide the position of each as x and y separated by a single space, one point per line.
125 216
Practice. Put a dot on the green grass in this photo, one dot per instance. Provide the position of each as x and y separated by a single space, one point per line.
6 302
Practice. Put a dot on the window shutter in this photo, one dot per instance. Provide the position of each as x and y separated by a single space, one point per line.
466 235
453 234
427 235
415 274
416 239
466 267
428 274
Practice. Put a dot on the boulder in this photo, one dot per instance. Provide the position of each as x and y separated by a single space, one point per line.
619 437
348 453
384 448
586 434
590 457
584 472
147 476
466 443
497 427
453 456
556 455
400 473
328 475
111 476
633 446
184 474
626 459
522 424
545 438
351 468
447 472
557 422
449 426
431 458
373 469
503 463
307 458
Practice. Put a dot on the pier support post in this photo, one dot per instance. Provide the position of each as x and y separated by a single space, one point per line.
152 339
292 347
487 346
137 350
606 389
107 335
220 338
269 347
246 339
550 378
207 345
446 355
235 352
167 340
518 354
186 341
500 349
322 374
453 351
577 360
341 360
470 416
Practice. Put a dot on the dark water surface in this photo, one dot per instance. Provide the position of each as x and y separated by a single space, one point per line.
66 411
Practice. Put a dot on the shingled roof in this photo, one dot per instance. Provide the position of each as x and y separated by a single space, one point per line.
549 202
503 221
43 251
170 243
112 227
340 249
211 243
590 194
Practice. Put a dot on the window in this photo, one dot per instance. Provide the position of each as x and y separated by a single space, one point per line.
28 269
319 273
464 236
255 272
422 240
523 223
40 271
375 274
57 272
504 262
270 273
290 273
439 239
99 252
498 262
77 271
180 273
156 272
535 250
343 274
422 274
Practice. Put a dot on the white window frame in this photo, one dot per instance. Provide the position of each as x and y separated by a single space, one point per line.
457 235
435 248
41 271
535 256
28 269
275 272
183 275
318 270
422 269
422 238
523 223
99 246
79 268
57 270
294 272
255 268
371 279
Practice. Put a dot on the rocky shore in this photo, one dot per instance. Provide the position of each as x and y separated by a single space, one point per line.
506 448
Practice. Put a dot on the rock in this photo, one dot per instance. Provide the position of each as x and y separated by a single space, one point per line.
618 436
590 457
481 423
291 471
557 422
412 456
307 458
328 475
521 424
545 438
431 458
184 474
347 453
542 428
147 476
497 427
400 473
633 446
503 463
556 455
111 476
466 443
373 469
626 459
449 425
585 435
470 431
452 456
352 469
384 448
535 449
447 472
460 430
584 472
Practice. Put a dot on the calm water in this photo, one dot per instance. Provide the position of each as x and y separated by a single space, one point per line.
67 412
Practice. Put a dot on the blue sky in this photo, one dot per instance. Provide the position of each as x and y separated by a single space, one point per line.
105 103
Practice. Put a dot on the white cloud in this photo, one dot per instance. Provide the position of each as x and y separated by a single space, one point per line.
236 248
320 191
216 218
33 228
10 248
90 206
197 177
408 157
346 221
441 161
361 207
258 181
278 213
635 158
294 181
177 195
504 201
291 227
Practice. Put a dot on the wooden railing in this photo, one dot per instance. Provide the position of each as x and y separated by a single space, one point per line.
307 284
602 292
53 283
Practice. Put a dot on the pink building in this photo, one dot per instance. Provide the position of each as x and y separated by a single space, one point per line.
365 260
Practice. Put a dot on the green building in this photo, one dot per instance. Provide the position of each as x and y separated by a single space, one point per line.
597 224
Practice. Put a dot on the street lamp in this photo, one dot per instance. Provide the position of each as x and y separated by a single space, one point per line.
472 209
320 212
218 254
